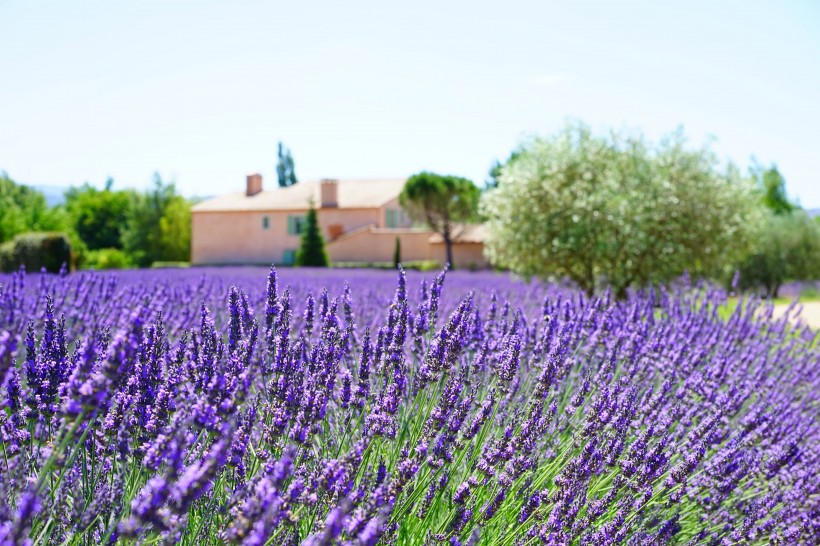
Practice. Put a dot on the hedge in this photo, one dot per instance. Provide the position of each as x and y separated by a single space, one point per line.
36 251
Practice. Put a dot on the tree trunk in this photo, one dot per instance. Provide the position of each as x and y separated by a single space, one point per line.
448 245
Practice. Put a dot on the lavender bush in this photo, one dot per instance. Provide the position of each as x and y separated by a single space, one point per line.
231 407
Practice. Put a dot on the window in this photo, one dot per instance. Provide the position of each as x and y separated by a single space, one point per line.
295 225
289 257
265 222
391 218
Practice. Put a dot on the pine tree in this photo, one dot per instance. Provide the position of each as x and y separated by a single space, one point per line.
312 251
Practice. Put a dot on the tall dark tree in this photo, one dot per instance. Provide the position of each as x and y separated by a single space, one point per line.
773 186
495 170
284 167
397 254
312 251
441 201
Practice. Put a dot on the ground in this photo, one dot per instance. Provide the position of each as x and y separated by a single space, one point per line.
810 313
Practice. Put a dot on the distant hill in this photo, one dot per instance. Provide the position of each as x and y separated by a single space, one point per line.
814 213
54 194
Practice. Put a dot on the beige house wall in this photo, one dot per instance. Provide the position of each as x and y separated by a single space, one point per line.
348 219
378 246
240 237
465 255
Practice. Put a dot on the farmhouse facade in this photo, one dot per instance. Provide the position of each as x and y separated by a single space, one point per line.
360 221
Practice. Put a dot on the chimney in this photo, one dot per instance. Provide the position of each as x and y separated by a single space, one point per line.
330 192
254 184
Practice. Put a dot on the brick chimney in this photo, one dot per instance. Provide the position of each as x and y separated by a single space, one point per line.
330 192
254 184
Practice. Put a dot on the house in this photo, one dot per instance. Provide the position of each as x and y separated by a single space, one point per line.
360 221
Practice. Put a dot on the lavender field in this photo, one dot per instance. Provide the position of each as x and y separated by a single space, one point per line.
247 406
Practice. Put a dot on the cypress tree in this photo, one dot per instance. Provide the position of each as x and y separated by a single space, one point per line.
312 251
397 254
284 167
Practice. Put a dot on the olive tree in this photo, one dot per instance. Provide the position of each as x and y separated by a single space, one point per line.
617 210
787 248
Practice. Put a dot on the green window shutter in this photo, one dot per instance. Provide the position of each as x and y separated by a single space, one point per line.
391 219
265 222
289 257
292 229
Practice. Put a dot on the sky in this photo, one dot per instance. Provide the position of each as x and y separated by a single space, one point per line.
202 91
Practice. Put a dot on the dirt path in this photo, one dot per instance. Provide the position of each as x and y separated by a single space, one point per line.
810 314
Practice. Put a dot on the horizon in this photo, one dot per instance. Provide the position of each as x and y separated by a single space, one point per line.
201 92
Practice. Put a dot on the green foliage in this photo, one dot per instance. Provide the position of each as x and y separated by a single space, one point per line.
284 167
397 254
99 217
24 209
618 210
312 251
147 227
170 265
107 258
158 226
442 202
422 265
787 248
417 265
175 231
773 189
36 251
495 170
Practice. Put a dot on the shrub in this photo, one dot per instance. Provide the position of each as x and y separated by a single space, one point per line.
168 265
107 258
422 265
36 251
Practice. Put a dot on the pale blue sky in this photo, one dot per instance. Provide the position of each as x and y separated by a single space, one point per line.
202 91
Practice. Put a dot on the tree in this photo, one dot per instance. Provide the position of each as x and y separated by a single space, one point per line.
787 248
495 170
773 187
284 167
617 210
99 217
397 254
443 202
159 227
312 251
24 209
175 230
